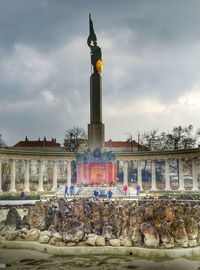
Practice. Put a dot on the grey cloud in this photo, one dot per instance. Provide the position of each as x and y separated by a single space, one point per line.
150 49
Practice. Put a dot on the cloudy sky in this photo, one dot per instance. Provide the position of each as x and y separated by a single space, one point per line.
151 55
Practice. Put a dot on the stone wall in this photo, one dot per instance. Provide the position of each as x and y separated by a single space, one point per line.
85 222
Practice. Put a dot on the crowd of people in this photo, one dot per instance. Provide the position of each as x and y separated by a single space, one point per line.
69 191
97 193
107 194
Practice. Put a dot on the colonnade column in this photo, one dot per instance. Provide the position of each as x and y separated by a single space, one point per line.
69 172
1 182
194 175
125 172
12 176
41 175
139 173
55 175
167 176
153 175
180 175
26 182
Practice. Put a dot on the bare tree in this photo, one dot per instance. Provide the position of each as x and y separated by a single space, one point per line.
179 138
74 137
2 143
150 140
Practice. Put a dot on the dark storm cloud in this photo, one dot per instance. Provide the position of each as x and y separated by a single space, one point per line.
150 51
49 22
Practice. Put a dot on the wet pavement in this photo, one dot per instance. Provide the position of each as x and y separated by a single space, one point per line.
29 259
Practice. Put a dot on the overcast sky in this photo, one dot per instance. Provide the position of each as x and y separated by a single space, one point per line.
151 76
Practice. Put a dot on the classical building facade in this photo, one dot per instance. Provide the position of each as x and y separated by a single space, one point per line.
180 178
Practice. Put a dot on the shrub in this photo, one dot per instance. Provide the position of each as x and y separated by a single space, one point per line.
11 197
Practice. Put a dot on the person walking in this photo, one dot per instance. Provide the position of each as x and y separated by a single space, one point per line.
125 189
96 194
138 189
110 194
66 190
71 190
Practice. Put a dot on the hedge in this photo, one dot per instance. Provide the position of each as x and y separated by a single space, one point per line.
11 197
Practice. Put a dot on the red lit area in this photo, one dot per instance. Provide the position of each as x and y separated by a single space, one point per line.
97 173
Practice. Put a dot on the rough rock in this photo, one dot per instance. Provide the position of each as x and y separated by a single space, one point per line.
71 244
151 235
191 227
56 237
192 243
74 235
101 241
37 216
108 232
91 241
44 237
60 244
13 219
166 236
11 235
2 225
169 245
136 236
156 223
179 233
70 223
32 235
22 233
127 242
115 242
5 229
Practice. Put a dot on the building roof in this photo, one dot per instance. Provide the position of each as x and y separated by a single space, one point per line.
42 144
111 143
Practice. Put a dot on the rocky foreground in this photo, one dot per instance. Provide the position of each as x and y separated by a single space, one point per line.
85 222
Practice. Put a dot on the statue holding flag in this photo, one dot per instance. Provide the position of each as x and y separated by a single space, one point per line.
95 50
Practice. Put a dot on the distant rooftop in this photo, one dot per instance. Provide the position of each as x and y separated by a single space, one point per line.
111 143
39 143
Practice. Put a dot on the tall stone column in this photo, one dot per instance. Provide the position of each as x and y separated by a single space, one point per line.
125 173
194 175
41 176
167 176
1 180
26 183
180 175
12 176
153 175
55 175
139 173
69 173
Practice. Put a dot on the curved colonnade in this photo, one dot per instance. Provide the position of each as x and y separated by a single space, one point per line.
14 155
